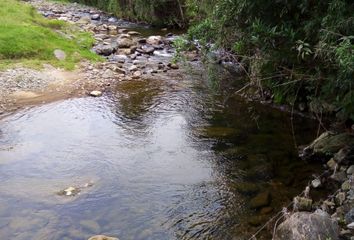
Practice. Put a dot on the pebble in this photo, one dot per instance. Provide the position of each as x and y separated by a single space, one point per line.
316 183
102 237
351 226
350 170
340 198
96 93
133 68
60 54
346 186
332 164
173 66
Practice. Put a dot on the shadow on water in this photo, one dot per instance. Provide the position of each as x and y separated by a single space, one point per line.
169 159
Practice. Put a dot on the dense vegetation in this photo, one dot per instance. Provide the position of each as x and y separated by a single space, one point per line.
29 38
302 50
157 12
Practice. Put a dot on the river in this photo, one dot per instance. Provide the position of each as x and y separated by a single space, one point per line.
164 158
167 160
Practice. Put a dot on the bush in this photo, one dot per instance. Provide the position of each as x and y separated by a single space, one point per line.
302 50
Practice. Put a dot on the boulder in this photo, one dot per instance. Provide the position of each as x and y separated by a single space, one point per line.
309 226
154 40
95 17
261 200
125 42
327 144
173 66
247 188
105 50
60 54
102 237
112 20
146 49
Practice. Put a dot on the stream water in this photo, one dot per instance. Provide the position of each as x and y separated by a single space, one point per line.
168 159
175 158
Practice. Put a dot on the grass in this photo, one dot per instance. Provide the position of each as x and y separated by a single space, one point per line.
28 38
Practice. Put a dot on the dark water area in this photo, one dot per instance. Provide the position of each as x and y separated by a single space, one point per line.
168 159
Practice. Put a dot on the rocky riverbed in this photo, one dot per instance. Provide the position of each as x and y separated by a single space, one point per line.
333 217
128 55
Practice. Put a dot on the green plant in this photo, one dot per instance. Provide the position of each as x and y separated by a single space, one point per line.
300 50
27 37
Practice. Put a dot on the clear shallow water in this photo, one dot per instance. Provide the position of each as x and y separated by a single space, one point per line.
168 160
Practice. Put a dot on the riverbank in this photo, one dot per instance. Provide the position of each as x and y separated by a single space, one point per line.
128 55
332 217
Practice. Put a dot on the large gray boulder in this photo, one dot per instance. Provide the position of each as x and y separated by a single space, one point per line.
105 50
125 42
308 226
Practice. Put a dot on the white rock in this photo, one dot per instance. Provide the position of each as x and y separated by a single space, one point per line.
102 237
59 54
350 170
133 68
316 183
351 225
154 40
96 93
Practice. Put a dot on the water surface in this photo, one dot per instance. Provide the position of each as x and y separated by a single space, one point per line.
168 159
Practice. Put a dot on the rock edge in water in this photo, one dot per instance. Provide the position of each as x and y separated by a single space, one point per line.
334 217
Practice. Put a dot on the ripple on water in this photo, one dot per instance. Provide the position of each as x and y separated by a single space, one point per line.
169 159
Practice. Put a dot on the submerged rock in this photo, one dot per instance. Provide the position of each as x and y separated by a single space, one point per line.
218 132
309 226
102 237
261 200
70 191
246 188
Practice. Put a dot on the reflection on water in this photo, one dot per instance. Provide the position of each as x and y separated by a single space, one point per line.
169 160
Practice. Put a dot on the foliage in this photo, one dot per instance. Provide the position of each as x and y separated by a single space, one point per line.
27 37
302 50
157 12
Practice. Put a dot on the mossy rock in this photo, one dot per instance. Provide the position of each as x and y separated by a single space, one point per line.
328 144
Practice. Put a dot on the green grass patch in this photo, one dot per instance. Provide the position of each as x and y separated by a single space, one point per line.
29 38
